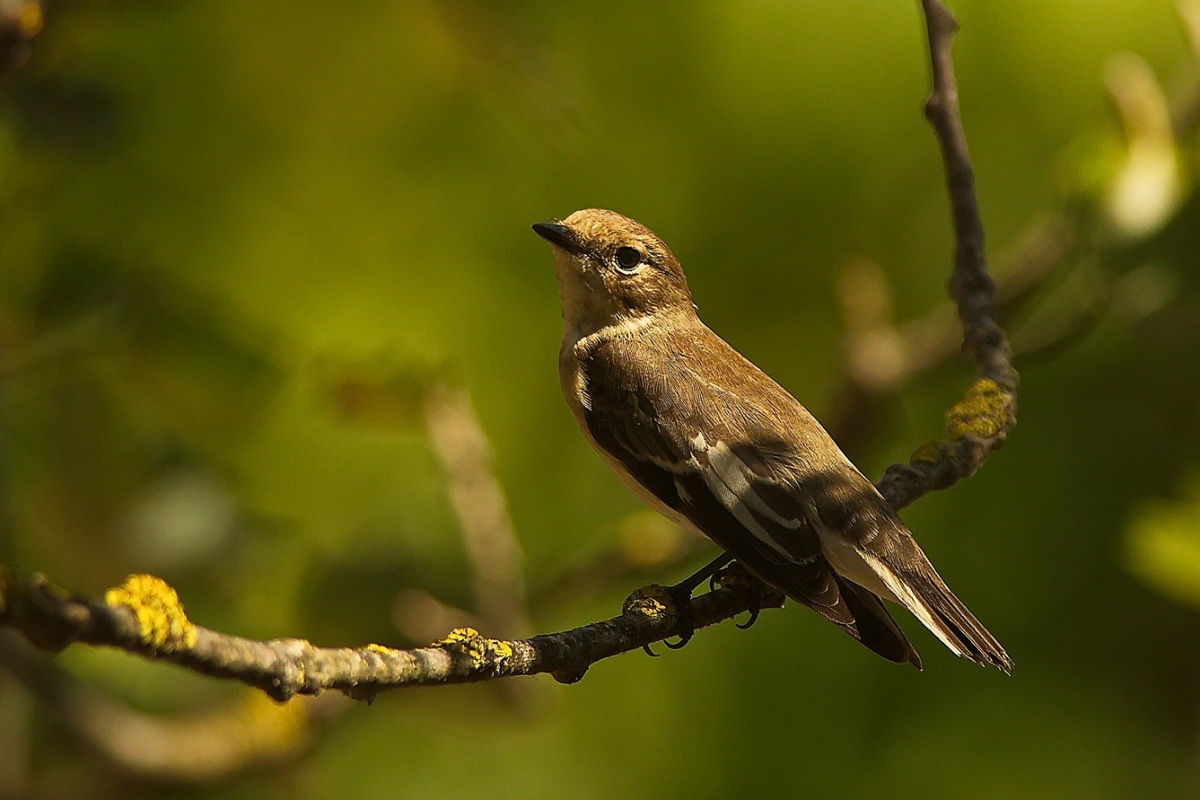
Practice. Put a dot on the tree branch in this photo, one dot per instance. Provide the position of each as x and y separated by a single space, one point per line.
203 745
882 357
981 420
144 616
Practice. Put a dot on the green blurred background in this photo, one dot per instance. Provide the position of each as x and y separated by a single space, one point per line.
241 242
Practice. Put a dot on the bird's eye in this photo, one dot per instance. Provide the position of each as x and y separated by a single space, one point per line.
628 259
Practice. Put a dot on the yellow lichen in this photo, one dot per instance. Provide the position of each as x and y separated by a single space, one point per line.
982 412
500 649
927 453
458 637
378 648
162 623
650 601
478 648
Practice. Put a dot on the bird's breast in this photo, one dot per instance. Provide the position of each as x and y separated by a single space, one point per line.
573 381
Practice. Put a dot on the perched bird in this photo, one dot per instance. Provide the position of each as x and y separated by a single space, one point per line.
711 442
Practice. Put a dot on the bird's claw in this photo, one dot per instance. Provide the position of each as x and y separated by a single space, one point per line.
748 624
755 607
681 598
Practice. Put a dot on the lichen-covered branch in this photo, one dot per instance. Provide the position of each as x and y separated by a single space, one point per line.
981 420
883 357
144 616
1141 194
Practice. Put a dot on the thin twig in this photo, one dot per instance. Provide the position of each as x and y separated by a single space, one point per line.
980 422
920 346
482 510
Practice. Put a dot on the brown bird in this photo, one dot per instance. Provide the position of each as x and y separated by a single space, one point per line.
711 442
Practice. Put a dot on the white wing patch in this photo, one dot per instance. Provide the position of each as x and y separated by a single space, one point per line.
728 477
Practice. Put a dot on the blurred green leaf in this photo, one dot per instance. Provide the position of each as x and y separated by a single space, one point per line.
1163 544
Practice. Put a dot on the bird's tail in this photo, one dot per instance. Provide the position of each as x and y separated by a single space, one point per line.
874 626
862 616
928 597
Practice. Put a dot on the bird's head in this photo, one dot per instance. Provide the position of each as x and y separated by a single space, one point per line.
612 269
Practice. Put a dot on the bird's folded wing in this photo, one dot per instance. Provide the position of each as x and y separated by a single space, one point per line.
730 492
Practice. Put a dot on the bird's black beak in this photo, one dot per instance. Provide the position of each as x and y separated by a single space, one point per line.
560 235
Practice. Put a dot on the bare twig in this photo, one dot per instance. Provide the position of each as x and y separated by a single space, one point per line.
882 357
482 510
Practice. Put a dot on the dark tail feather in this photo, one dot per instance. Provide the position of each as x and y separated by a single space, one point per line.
960 626
876 628
852 608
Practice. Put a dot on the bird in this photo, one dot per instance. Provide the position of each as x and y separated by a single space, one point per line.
711 442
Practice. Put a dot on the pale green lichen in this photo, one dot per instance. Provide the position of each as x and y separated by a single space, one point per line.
982 413
162 623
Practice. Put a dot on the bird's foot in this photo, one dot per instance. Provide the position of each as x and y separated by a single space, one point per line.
735 576
681 598
755 608
679 601
668 601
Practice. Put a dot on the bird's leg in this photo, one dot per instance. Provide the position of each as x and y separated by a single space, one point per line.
681 597
707 572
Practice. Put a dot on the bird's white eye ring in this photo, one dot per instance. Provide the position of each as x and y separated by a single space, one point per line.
628 259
